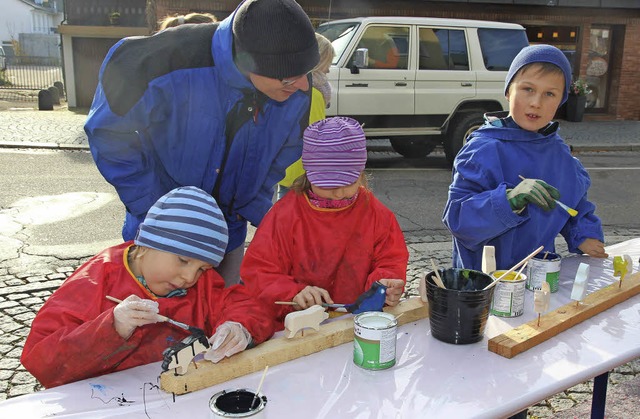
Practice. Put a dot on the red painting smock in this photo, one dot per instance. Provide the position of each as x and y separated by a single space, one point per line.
73 336
341 250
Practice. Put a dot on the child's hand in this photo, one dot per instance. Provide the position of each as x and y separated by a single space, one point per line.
310 296
593 248
533 191
134 312
395 287
229 339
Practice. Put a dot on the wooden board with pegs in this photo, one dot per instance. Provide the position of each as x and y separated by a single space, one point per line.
528 335
279 350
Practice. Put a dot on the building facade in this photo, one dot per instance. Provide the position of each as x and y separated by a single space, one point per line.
599 37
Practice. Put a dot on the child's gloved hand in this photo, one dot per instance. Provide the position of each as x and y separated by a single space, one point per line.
395 287
533 191
134 312
230 338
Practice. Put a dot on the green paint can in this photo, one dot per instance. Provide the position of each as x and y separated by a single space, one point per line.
374 344
543 267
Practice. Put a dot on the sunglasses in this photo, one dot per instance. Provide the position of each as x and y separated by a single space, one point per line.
289 82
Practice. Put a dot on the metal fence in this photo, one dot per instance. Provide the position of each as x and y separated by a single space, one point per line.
25 76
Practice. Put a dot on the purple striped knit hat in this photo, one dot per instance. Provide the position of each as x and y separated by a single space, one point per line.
334 152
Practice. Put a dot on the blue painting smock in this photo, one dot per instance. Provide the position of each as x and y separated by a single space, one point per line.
164 112
478 212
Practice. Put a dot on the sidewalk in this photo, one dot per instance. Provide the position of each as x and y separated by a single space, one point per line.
63 128
25 283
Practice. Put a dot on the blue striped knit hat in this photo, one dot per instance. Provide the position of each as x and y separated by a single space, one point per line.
186 222
334 152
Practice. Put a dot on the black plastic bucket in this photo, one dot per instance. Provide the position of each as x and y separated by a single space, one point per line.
459 313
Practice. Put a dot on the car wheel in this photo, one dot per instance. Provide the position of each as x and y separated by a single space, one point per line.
413 148
459 130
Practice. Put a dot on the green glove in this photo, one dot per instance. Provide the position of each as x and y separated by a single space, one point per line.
534 191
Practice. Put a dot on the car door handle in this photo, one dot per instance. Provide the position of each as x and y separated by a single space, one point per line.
466 84
357 85
401 83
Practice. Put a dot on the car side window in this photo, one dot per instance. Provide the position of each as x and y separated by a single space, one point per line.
388 47
500 46
442 49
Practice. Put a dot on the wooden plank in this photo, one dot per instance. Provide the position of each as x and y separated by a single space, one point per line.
528 335
279 350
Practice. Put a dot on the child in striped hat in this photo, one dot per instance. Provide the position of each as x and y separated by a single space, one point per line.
332 239
166 271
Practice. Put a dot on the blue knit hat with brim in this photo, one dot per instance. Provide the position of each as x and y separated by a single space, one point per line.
186 222
540 54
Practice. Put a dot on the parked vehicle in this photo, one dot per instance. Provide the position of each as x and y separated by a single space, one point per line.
420 82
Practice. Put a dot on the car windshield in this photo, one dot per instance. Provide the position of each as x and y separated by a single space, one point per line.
339 34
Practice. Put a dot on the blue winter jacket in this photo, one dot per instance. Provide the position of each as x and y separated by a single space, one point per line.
478 212
165 107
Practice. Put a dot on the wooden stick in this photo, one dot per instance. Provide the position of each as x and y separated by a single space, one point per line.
516 266
526 336
286 303
162 318
438 280
255 396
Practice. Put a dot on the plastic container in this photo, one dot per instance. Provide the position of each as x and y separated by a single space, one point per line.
458 314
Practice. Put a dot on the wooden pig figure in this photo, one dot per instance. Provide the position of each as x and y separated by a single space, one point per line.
298 320
579 290
621 266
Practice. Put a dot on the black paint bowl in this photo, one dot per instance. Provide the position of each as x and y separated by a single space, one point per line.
240 403
459 313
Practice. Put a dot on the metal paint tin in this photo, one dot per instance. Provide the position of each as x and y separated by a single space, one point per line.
374 343
240 403
508 298
543 269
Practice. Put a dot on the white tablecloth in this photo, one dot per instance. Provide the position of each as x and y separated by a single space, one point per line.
431 378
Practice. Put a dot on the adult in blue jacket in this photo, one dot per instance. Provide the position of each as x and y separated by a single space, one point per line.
218 106
490 204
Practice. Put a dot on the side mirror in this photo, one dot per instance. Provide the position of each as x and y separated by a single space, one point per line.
360 60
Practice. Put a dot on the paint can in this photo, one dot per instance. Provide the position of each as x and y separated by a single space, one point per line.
541 268
508 298
240 403
374 343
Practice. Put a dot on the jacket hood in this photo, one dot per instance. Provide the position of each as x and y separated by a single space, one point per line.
222 51
500 126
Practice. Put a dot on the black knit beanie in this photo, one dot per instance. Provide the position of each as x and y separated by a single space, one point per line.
274 38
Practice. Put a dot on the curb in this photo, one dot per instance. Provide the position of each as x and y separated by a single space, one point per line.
45 146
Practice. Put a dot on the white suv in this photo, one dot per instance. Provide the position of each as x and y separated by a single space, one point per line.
420 81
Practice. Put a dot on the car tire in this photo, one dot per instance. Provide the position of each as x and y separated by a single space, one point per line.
459 130
412 148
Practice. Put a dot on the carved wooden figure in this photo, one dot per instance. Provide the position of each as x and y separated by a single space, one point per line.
579 290
488 259
541 299
298 320
180 355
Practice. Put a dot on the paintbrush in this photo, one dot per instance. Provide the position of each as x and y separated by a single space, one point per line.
565 207
255 396
163 318
516 266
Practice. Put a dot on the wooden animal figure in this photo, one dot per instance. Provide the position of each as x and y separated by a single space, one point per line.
579 290
541 298
620 266
180 355
298 320
488 259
